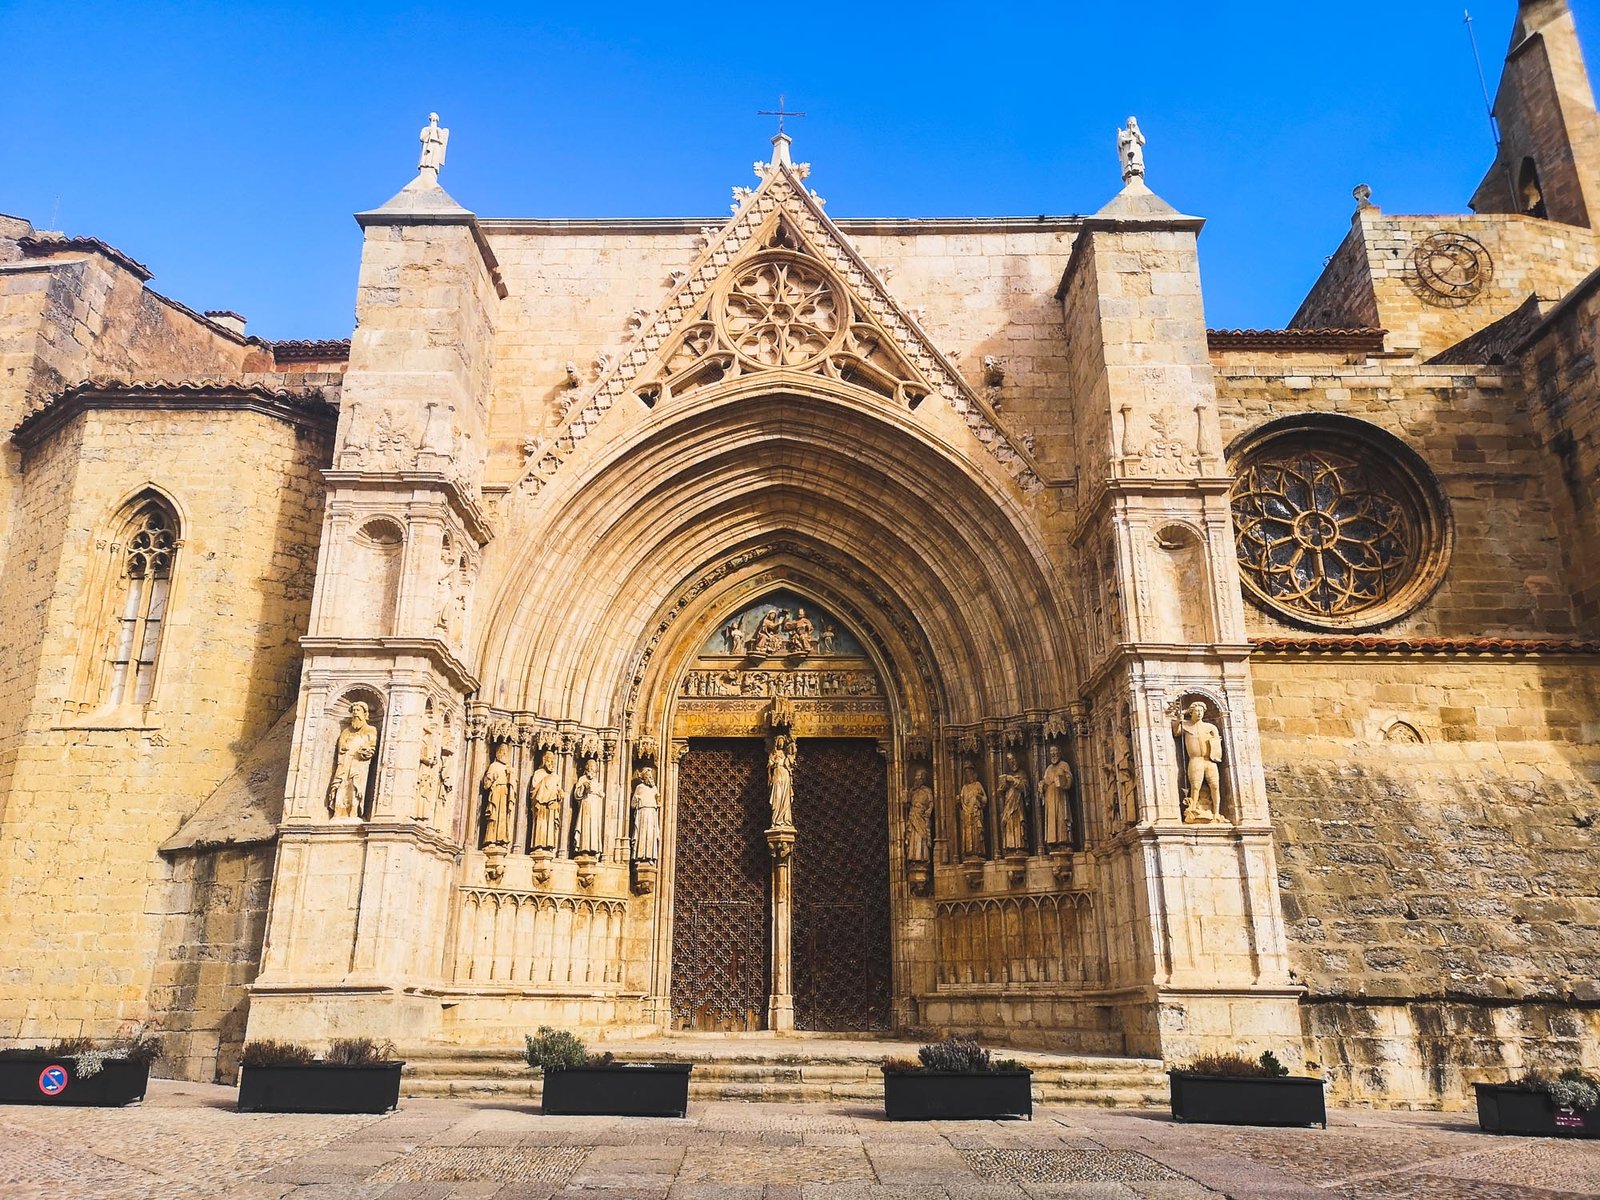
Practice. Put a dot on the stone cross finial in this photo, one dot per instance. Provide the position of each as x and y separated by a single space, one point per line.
433 141
1130 150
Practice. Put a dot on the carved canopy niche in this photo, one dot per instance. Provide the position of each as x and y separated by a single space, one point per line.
783 308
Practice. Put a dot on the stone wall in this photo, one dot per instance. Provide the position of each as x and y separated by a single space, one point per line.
1470 426
1564 402
214 919
89 796
1440 894
1525 257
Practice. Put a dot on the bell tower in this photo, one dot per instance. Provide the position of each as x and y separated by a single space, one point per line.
1549 161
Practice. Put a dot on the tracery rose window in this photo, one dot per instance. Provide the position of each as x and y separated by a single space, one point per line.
781 311
1337 525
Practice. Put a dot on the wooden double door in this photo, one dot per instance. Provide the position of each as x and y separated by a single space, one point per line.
722 921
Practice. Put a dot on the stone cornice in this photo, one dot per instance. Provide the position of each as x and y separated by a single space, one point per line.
305 407
435 651
466 506
1376 646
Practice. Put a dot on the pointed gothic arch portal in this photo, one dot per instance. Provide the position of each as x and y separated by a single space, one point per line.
781 889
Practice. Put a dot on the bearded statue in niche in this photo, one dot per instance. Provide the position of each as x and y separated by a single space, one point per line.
972 804
588 802
352 765
1012 789
495 790
919 818
544 805
1055 790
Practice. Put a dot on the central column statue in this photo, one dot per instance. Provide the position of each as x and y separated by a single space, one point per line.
780 841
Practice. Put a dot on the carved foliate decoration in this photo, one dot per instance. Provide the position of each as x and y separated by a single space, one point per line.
1337 531
784 310
1451 269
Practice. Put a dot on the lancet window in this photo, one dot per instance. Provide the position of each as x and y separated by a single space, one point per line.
147 551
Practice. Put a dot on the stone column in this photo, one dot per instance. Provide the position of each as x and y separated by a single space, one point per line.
780 1005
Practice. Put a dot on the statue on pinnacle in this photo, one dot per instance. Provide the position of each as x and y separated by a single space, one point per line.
1130 149
433 141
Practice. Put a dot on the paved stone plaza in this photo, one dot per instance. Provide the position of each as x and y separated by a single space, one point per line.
187 1141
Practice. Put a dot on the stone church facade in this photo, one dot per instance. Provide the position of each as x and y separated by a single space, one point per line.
789 622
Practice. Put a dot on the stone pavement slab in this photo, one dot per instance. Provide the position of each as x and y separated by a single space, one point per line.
186 1143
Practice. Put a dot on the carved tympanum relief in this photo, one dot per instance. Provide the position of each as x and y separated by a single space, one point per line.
1338 524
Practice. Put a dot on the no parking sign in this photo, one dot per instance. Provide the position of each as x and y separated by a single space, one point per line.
53 1080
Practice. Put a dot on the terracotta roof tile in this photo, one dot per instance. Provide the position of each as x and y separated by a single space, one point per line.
311 350
40 245
1349 341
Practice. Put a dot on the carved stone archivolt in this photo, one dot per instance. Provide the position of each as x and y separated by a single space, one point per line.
1338 524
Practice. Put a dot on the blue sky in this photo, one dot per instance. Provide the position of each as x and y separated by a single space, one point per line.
226 145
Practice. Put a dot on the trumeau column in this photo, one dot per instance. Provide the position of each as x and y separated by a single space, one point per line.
1199 918
369 849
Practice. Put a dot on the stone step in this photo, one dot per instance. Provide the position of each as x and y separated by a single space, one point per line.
793 1092
794 1070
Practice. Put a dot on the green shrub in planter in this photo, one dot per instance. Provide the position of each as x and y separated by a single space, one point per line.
956 1080
1539 1105
357 1075
577 1083
1230 1089
79 1072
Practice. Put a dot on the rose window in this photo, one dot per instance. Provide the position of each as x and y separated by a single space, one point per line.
781 311
1333 532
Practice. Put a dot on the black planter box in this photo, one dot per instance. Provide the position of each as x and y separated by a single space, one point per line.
1227 1100
957 1095
618 1090
1506 1108
119 1081
320 1088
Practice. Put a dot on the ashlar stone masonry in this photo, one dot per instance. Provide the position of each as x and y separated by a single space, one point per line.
780 621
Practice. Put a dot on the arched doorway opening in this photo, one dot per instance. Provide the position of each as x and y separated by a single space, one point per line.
781 896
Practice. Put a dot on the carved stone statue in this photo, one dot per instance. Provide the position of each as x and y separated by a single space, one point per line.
352 764
646 818
1202 751
495 789
769 636
973 805
444 808
589 802
830 638
734 636
1012 789
919 818
1130 149
780 775
428 755
433 141
544 805
1055 790
802 634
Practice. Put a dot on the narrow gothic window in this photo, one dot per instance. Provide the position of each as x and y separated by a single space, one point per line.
149 545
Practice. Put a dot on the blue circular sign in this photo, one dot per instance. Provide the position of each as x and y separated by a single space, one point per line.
53 1080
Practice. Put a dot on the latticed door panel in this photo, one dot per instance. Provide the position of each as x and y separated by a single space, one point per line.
842 957
720 952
